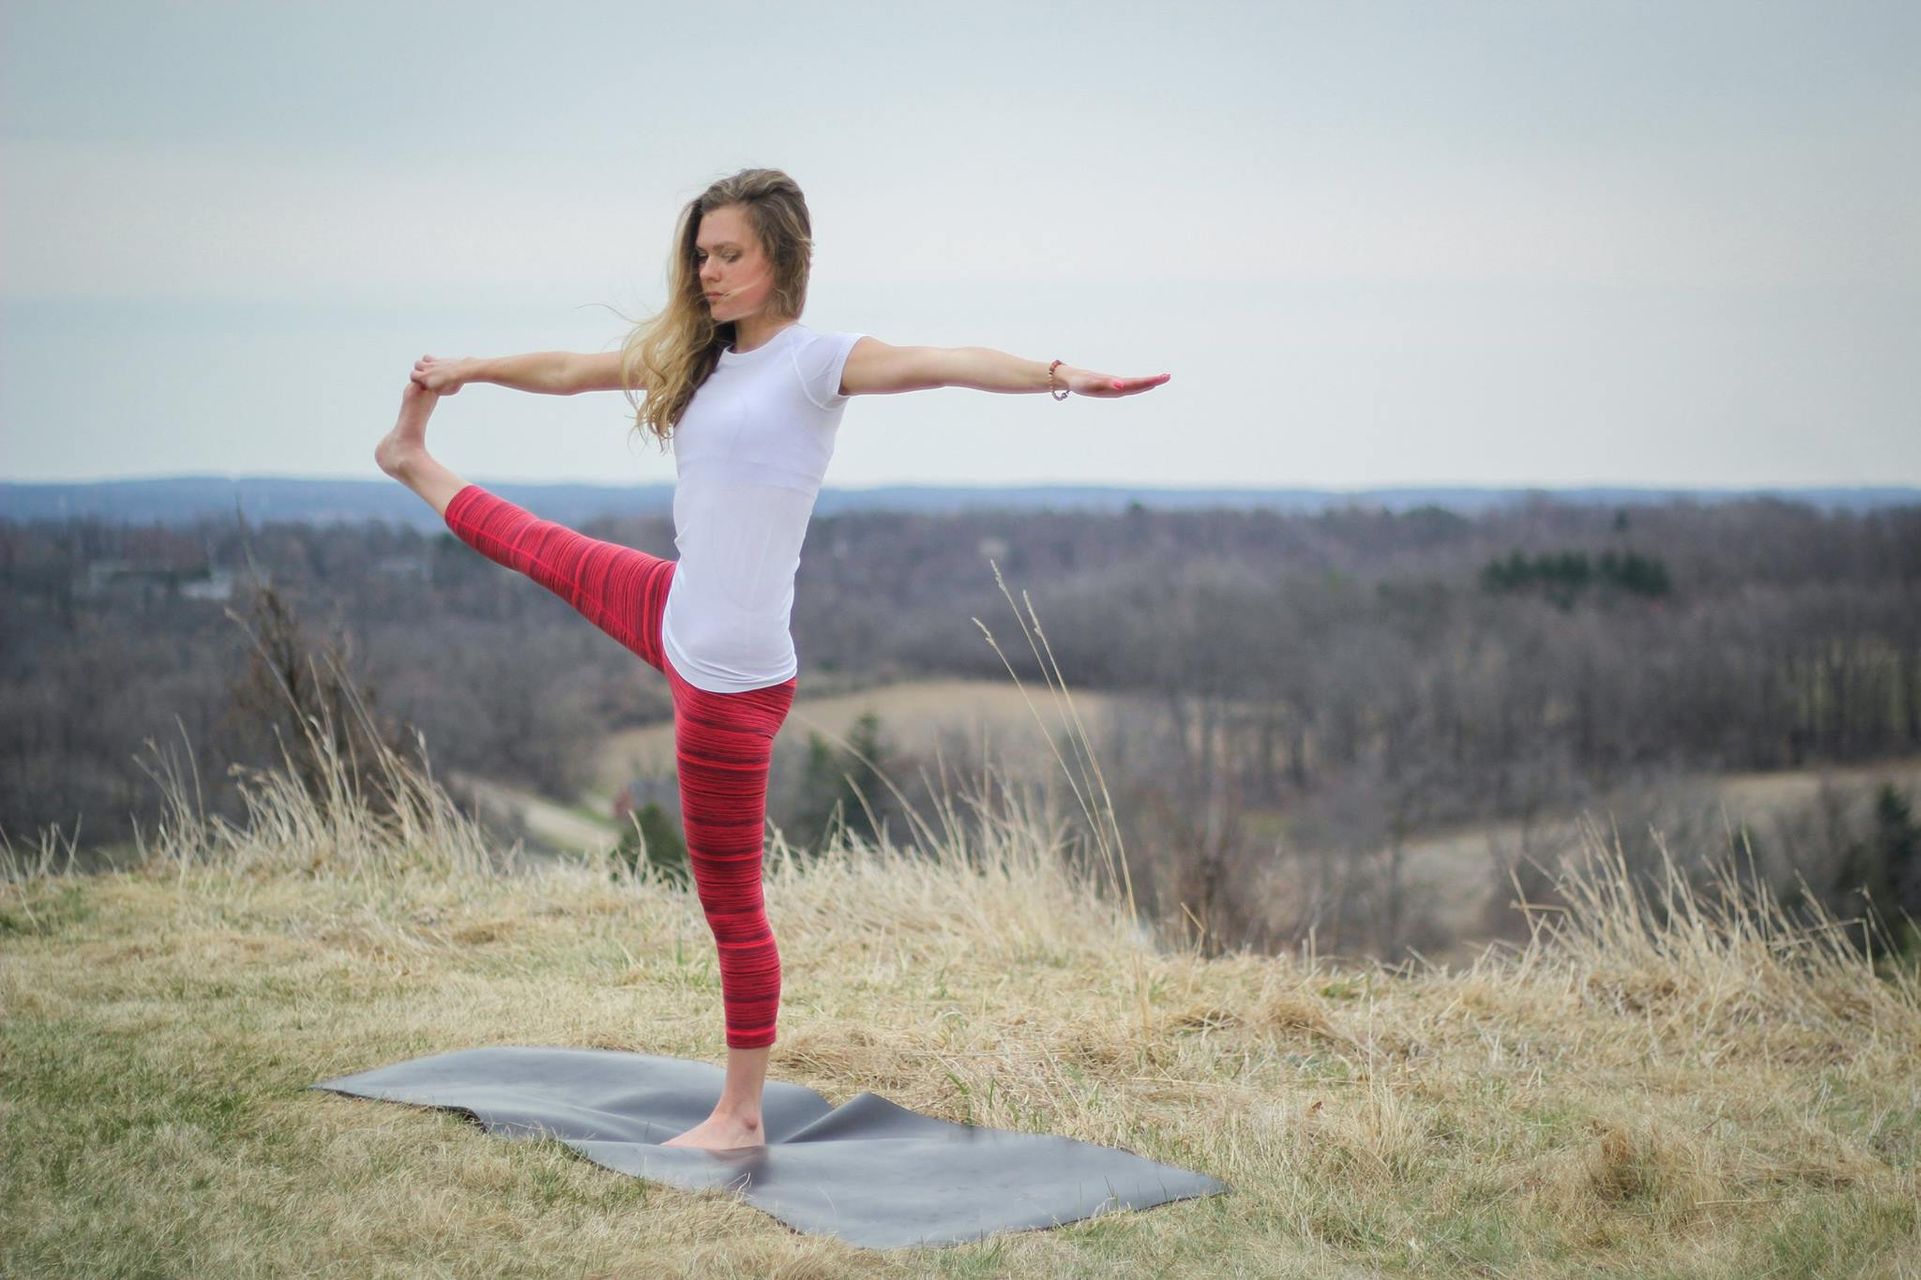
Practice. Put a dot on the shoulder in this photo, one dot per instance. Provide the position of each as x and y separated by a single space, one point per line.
820 355
808 336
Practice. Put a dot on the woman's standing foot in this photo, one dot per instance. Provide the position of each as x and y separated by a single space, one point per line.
721 1133
735 1121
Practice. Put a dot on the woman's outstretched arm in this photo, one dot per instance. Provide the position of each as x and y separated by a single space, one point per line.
876 368
554 373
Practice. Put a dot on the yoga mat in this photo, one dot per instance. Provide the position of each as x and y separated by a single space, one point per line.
868 1171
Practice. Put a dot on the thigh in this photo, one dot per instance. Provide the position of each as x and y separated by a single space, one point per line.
622 590
723 749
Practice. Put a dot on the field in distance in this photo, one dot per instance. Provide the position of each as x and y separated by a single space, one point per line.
914 716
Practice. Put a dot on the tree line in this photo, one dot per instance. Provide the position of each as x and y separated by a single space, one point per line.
1298 690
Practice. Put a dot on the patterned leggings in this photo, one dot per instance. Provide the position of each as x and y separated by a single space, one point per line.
723 742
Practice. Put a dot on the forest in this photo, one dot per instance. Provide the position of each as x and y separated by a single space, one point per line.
1297 698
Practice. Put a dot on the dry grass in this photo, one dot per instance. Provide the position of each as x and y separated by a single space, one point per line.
1675 1084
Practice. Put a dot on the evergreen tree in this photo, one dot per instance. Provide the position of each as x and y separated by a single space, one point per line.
867 761
814 814
1900 841
1883 870
833 783
666 850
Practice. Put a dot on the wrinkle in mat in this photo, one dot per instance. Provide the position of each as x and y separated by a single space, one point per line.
867 1171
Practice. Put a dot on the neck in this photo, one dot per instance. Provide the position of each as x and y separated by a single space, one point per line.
751 331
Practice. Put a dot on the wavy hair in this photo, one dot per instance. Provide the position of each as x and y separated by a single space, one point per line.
669 354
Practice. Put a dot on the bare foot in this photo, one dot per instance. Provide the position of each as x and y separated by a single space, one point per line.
406 445
720 1133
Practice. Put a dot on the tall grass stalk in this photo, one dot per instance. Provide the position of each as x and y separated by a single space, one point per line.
1102 821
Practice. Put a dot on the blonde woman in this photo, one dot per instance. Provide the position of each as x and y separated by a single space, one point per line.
751 399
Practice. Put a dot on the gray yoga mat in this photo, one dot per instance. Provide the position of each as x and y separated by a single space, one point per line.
867 1171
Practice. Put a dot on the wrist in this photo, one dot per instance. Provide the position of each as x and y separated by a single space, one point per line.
1054 382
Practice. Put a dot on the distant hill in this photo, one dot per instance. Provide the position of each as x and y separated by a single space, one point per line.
183 499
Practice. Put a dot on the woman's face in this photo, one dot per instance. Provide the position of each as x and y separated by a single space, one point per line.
735 276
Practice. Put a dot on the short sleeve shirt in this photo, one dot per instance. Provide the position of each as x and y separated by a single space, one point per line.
750 452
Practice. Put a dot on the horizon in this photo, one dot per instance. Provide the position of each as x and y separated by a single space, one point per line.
173 500
1042 483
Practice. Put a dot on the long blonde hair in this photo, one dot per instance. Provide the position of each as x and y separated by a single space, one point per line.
669 354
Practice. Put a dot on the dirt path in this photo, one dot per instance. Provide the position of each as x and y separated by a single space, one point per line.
561 829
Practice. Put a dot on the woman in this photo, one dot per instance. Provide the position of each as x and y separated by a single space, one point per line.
751 399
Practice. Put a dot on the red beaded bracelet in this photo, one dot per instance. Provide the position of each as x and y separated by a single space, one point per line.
1050 382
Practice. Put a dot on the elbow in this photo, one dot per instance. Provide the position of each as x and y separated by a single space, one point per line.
949 367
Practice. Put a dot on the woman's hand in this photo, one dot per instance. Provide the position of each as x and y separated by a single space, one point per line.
1085 382
444 377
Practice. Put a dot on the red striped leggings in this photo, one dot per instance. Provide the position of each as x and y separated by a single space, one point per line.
723 742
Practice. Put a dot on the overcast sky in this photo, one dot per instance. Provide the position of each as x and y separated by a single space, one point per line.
1665 243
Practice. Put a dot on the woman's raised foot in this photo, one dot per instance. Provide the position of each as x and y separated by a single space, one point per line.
403 448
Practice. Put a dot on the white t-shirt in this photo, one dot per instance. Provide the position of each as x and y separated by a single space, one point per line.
750 451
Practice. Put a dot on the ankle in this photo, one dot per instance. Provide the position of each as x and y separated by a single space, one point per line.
399 458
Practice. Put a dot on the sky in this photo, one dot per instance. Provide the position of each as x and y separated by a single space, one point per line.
1674 243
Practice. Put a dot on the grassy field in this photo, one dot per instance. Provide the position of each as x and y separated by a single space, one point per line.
1695 1090
991 715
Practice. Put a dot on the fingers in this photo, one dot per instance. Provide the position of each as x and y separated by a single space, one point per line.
428 374
1132 386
